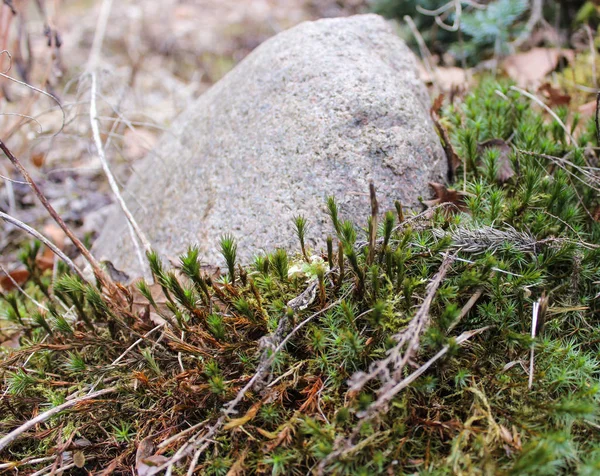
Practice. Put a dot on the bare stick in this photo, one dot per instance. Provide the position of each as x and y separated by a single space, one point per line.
36 234
229 408
425 53
548 110
21 290
42 417
347 446
534 321
141 339
100 274
111 179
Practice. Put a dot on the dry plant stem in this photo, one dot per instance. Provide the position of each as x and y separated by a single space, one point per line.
100 274
111 180
16 464
373 231
22 83
425 53
348 445
141 339
466 308
535 18
390 368
590 35
596 119
95 123
46 242
549 111
229 408
42 417
21 290
534 322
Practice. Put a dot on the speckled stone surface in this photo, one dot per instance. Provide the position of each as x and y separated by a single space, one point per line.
320 109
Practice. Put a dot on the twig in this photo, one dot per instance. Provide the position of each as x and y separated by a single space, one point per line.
141 339
21 290
466 308
100 274
534 320
425 53
373 225
548 110
535 18
46 241
596 119
111 179
16 464
42 417
347 445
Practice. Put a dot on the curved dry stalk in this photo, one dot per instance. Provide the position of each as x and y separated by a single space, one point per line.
111 179
42 417
346 446
21 290
548 110
98 271
36 234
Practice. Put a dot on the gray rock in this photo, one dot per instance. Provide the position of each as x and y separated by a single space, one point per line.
318 110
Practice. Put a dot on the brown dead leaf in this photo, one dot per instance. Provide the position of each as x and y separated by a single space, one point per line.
588 109
447 78
137 143
37 159
445 195
505 169
145 462
238 468
19 276
12 341
250 414
530 68
554 97
79 459
312 393
57 236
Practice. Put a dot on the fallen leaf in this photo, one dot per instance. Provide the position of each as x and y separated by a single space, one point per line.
79 459
588 109
12 341
553 96
19 276
145 462
505 169
238 468
37 159
530 68
449 78
250 414
138 142
57 236
445 195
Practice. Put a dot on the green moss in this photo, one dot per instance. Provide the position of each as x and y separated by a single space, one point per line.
518 243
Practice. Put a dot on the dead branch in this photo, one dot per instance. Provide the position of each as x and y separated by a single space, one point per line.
42 417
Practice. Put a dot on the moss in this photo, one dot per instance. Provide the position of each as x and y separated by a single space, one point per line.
528 242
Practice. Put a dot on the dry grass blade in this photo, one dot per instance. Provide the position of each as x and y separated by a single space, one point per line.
42 417
37 235
98 271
